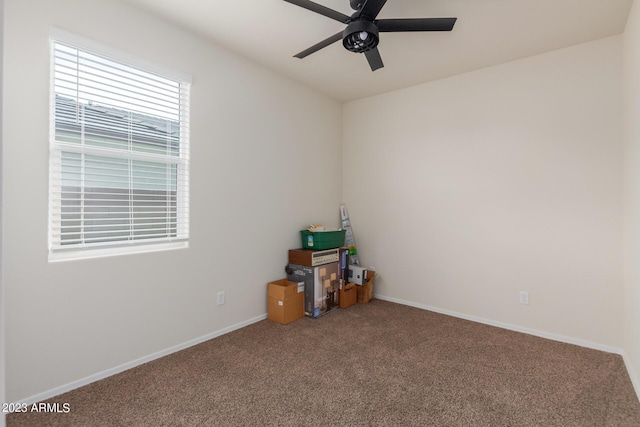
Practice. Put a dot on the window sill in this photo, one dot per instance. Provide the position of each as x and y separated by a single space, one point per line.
80 254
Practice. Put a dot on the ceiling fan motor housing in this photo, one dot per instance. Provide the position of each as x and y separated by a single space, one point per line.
360 36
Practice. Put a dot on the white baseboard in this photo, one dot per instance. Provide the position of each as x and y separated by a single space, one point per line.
509 326
632 374
121 368
635 379
125 366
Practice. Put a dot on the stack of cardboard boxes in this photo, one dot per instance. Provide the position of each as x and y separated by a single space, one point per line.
323 277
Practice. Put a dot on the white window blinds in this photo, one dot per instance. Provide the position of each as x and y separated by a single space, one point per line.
119 154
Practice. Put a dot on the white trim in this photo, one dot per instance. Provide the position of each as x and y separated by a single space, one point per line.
115 53
632 374
129 365
555 337
116 250
126 366
509 326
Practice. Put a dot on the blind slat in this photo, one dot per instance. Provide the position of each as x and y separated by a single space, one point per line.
119 153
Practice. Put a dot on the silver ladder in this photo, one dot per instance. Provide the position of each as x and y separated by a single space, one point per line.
348 238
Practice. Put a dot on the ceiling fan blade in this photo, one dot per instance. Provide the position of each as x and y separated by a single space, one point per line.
322 10
316 47
375 61
420 24
371 8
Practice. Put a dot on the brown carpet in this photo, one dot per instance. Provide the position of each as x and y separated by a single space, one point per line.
376 364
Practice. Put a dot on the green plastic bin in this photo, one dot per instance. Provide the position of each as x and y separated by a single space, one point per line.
321 240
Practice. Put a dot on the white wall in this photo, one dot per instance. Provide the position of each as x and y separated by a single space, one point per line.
632 194
2 351
266 161
462 192
465 191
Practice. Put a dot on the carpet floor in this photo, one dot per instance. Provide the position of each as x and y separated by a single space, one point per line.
376 364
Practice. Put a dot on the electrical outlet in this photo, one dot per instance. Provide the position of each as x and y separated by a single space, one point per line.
221 298
524 297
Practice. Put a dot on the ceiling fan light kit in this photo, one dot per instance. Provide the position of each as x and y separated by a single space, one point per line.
362 32
360 36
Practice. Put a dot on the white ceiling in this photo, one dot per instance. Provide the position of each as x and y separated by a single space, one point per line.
488 32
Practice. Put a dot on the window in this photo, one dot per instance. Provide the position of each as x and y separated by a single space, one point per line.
119 157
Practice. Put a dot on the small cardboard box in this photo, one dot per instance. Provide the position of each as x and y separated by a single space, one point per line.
348 295
365 292
286 301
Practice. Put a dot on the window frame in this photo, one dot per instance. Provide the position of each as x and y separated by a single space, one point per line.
60 252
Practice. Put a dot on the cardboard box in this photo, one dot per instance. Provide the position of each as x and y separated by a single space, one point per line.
312 258
286 301
321 287
365 292
348 295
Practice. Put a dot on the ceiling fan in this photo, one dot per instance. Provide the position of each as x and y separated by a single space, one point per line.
361 33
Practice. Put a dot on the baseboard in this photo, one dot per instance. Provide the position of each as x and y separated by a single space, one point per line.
121 368
126 366
509 326
632 374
